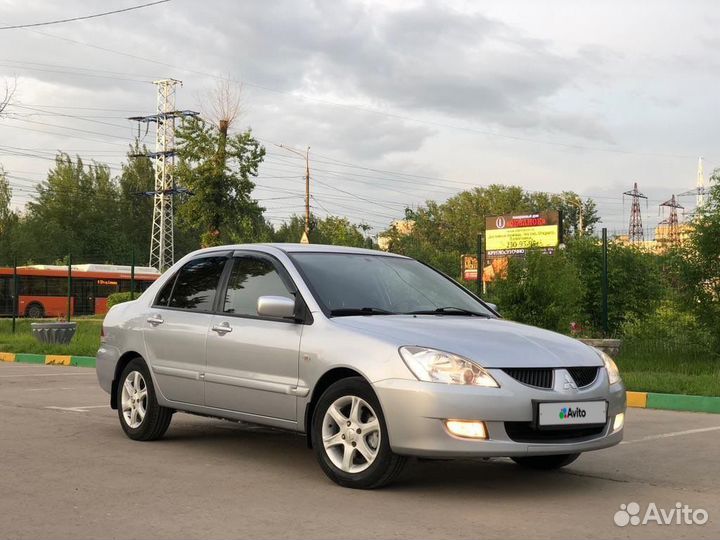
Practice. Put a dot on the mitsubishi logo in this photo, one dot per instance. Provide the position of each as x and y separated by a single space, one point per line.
569 384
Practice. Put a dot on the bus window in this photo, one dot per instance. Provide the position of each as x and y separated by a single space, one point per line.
33 286
56 286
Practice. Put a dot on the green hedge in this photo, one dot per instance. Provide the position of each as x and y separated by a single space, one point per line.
119 298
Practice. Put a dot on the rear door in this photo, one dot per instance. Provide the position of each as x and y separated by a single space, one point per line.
177 325
252 361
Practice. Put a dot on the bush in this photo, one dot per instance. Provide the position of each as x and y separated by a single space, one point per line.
669 330
541 290
119 298
635 282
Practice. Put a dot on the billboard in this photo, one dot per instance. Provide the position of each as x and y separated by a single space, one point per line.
512 235
469 266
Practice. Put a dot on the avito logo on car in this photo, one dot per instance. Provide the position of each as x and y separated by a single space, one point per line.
577 412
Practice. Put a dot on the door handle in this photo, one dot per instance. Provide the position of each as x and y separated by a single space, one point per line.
222 328
155 320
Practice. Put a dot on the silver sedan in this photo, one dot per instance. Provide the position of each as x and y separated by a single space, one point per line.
375 357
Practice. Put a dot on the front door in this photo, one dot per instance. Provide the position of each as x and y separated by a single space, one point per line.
252 362
176 329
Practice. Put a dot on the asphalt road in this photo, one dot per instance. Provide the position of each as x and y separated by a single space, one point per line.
68 471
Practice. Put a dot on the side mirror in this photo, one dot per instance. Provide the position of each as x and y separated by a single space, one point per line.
279 307
492 306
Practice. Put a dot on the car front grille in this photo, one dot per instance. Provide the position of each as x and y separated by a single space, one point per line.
537 377
543 377
583 376
526 432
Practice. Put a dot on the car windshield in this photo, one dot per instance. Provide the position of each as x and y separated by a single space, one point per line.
359 284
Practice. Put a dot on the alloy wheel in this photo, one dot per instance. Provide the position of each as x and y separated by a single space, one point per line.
351 434
134 399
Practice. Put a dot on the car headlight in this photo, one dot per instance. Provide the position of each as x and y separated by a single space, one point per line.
611 368
439 366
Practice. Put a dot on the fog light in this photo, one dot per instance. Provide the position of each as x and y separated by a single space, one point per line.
467 429
619 421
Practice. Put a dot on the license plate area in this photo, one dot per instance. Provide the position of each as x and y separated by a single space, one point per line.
568 414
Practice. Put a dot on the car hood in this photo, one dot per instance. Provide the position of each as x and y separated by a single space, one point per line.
493 343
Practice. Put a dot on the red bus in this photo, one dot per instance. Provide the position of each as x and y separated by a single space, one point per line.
43 289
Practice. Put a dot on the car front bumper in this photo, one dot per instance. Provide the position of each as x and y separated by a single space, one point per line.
415 414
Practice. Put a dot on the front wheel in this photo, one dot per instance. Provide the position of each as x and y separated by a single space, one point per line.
141 417
350 438
546 463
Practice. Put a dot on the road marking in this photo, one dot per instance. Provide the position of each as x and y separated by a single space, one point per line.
77 409
45 375
46 388
673 434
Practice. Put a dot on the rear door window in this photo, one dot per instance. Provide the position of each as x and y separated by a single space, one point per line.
195 286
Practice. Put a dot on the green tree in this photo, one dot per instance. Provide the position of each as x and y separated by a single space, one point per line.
635 282
136 182
76 210
541 290
331 230
444 231
695 268
217 168
8 220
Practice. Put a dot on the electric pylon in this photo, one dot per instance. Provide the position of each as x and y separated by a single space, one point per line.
635 229
700 190
700 183
673 236
162 241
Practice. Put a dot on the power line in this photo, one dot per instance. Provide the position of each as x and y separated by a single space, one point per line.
83 17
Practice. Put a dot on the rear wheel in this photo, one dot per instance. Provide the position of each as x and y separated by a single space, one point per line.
546 463
350 438
141 417
35 311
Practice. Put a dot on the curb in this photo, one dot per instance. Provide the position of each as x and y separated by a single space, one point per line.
641 400
49 359
673 402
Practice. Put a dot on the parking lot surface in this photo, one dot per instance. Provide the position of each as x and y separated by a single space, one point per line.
68 471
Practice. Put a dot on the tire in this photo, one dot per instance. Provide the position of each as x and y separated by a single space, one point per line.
546 463
35 311
345 463
135 394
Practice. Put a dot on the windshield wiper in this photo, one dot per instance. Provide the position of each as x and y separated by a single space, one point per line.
347 312
450 310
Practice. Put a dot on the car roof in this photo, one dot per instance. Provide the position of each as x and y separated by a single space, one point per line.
304 248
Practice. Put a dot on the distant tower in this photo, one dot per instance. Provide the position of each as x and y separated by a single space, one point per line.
673 236
699 190
700 183
635 229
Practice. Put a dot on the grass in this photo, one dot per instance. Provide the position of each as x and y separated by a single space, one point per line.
85 342
662 370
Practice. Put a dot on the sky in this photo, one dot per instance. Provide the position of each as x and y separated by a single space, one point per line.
399 101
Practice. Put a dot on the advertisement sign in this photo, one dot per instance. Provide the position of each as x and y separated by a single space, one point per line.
512 235
469 265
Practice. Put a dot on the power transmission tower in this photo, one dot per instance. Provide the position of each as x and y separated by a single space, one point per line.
700 190
673 236
162 240
635 229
